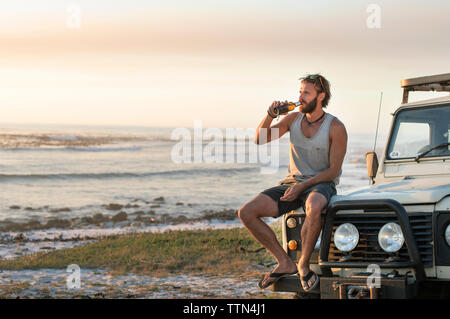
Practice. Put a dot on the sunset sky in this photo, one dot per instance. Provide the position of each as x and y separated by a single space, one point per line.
168 63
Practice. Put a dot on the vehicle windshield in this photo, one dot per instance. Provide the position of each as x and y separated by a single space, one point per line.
417 130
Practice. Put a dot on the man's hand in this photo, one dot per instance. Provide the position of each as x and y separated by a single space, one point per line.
293 192
271 110
265 127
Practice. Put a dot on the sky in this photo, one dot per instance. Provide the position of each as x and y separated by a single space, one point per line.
169 63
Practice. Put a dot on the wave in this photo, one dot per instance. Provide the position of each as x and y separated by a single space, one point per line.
113 175
105 149
63 138
73 148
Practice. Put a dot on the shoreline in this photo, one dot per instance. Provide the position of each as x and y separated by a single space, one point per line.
18 239
17 244
135 212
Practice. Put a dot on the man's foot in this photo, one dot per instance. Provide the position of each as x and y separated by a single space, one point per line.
309 281
272 277
276 274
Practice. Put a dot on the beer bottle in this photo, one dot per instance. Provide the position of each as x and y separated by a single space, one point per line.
284 108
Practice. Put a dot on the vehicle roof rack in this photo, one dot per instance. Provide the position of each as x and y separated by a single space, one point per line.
438 83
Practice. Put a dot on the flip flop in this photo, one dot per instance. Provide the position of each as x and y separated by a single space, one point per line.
306 278
276 275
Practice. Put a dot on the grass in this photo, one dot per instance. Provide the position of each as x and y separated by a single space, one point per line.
212 252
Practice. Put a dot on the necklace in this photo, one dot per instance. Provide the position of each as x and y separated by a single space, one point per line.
311 123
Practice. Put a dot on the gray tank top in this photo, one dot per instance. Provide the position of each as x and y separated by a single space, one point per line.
308 156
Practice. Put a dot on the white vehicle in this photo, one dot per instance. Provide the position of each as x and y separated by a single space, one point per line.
392 238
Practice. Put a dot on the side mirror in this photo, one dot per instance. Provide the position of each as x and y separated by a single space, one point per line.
372 165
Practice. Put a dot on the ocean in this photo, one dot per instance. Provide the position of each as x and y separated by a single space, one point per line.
68 172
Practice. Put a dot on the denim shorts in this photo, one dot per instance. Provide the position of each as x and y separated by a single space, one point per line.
326 189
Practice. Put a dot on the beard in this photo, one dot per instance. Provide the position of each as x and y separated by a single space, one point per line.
309 107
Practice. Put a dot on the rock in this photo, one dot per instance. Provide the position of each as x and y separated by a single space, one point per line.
14 207
151 212
59 210
144 220
180 219
87 220
159 199
179 204
20 237
99 295
34 224
58 223
226 214
131 206
114 207
120 217
99 218
75 222
155 206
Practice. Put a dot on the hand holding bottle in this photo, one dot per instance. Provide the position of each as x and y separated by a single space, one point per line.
281 108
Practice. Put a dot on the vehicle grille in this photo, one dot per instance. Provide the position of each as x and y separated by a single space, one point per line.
368 249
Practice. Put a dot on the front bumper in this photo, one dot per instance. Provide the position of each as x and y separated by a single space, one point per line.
357 287
363 288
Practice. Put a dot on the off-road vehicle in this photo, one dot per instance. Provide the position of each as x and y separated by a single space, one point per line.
390 239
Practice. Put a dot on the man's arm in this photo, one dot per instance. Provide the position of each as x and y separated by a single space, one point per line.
338 148
264 131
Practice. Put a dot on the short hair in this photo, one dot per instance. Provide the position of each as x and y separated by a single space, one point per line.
320 84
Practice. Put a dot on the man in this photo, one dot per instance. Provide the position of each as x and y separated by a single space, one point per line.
318 142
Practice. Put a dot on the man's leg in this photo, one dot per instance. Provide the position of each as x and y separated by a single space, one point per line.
251 214
314 205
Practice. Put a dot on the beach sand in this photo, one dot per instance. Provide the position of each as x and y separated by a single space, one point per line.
99 283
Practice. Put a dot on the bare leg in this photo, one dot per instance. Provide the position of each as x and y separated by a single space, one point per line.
250 215
314 205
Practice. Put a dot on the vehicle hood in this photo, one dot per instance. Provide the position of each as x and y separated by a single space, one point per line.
406 191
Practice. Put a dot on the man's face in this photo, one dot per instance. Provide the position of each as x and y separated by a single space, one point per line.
308 98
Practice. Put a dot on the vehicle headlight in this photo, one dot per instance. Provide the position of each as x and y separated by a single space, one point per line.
447 234
391 237
346 237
